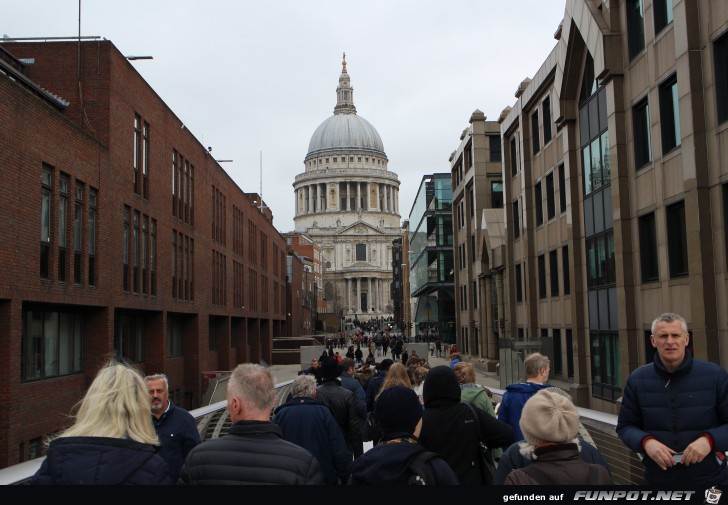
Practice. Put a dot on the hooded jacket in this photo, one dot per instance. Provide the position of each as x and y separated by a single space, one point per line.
677 408
101 460
449 429
512 404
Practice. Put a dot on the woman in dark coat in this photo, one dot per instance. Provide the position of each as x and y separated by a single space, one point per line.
448 427
113 439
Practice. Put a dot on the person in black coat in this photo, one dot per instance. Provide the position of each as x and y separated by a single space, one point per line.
253 451
399 414
342 403
448 427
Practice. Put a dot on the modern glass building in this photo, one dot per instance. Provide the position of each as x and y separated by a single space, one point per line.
431 259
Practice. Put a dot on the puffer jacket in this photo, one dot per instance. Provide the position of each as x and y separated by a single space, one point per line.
343 405
101 460
677 409
253 452
561 465
513 401
448 427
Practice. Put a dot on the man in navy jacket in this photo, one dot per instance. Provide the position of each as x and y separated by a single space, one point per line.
675 412
176 428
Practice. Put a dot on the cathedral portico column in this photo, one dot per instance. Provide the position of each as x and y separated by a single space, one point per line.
348 196
358 196
348 293
370 296
310 199
358 295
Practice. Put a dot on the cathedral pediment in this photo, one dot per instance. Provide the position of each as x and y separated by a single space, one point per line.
359 228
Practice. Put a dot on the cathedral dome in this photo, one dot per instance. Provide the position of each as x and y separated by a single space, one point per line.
345 131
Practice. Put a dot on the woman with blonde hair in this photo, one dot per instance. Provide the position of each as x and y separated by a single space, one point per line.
396 376
112 440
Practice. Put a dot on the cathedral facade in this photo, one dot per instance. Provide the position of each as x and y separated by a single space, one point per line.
347 202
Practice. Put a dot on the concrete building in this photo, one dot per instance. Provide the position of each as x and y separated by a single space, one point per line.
616 190
121 236
347 202
431 266
479 241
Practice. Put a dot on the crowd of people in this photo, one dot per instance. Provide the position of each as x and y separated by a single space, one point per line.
427 425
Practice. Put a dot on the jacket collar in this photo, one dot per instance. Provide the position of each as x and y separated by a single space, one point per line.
255 428
683 369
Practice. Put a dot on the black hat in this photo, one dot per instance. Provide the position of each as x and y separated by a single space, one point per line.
330 369
398 410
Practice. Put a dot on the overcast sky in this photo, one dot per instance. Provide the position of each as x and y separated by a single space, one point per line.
259 76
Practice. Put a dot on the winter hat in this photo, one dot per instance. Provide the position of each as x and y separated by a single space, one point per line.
330 369
397 410
549 417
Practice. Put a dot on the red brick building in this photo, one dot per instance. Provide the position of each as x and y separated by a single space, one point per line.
120 235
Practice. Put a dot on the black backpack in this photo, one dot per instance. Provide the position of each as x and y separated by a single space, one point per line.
421 472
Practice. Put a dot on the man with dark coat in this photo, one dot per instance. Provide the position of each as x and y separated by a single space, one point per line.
448 427
342 404
675 412
253 451
310 424
375 384
176 428
350 383
314 369
399 414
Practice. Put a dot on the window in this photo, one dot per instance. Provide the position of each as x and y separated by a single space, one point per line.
606 370
145 160
473 254
542 276
125 248
516 220
648 248
554 272
635 27
514 158
135 252
547 120
129 336
495 147
550 197
137 150
565 269
720 55
174 336
669 115
538 204
558 361
78 235
519 283
153 258
677 244
595 158
91 246
569 353
534 132
45 221
145 241
562 188
642 140
725 217
475 294
361 252
63 229
663 14
496 194
600 260
52 342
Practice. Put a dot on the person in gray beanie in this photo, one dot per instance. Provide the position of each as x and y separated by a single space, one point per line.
399 415
550 423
